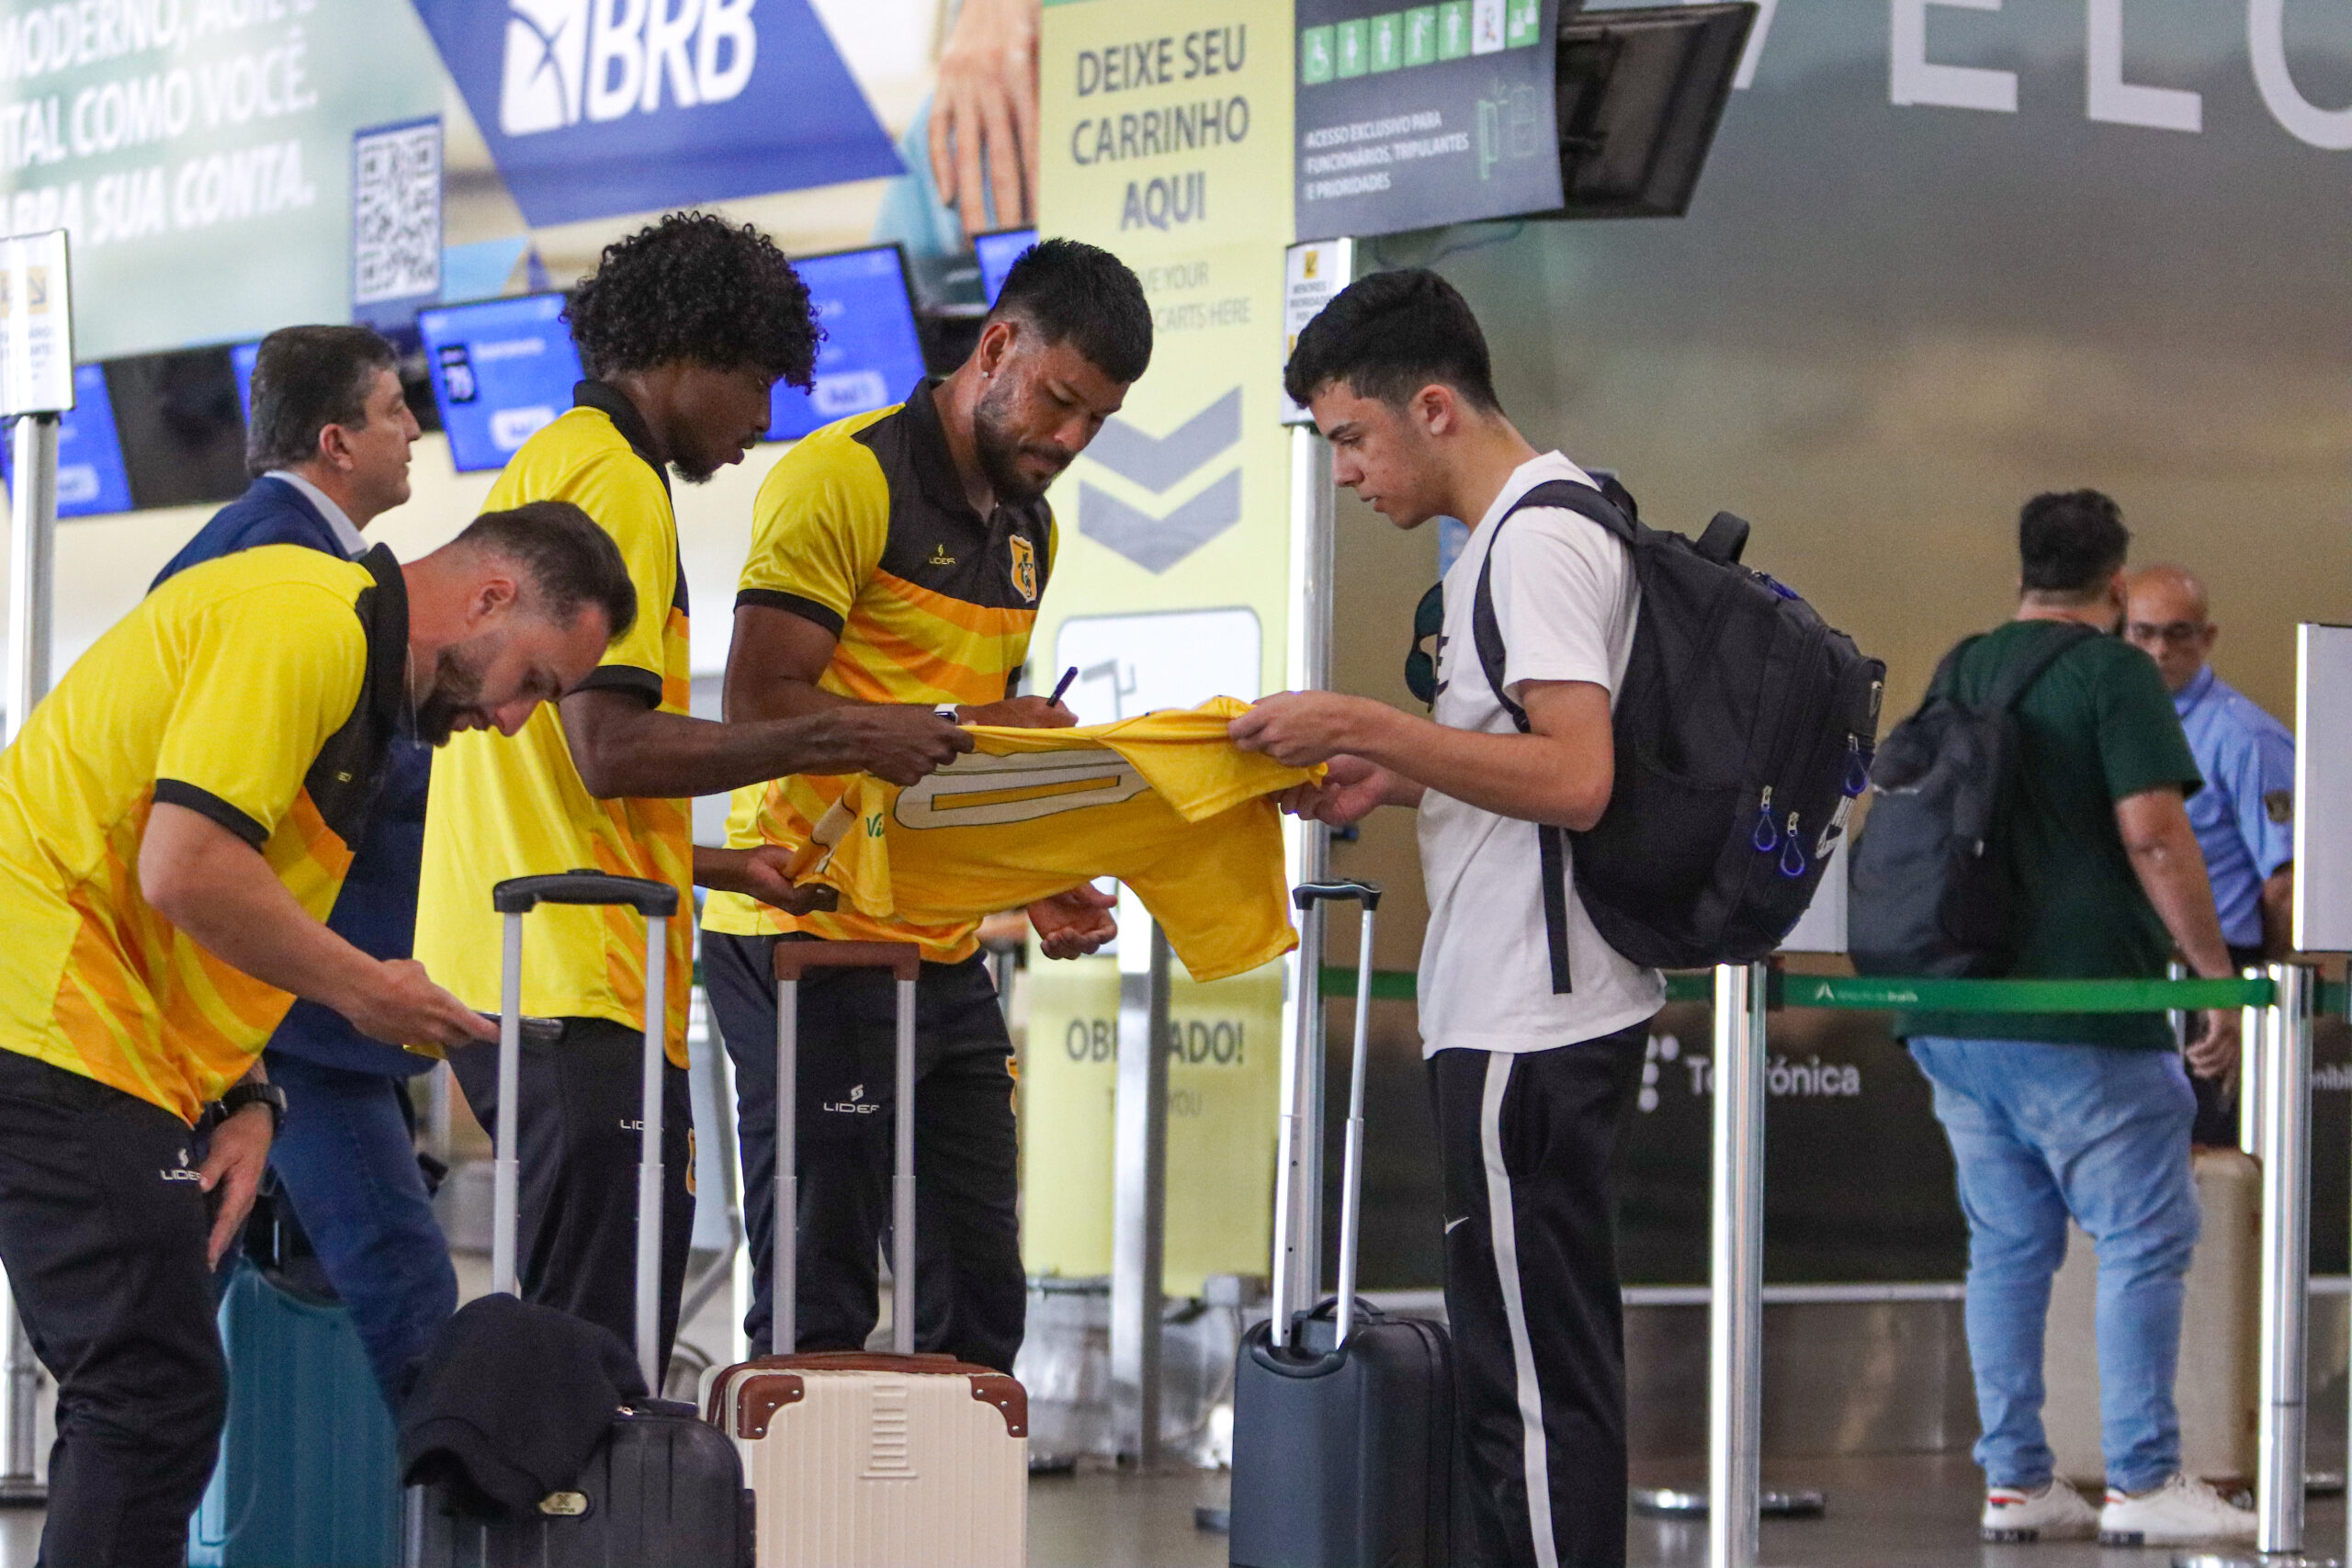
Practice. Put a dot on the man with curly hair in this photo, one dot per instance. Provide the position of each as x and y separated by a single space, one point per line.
684 331
898 559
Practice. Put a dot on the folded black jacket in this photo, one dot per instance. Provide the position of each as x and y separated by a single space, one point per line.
510 1401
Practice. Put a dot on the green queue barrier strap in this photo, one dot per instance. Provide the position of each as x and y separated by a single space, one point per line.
1934 996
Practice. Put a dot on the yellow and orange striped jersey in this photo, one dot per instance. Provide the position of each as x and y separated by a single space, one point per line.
261 690
863 529
516 806
1165 803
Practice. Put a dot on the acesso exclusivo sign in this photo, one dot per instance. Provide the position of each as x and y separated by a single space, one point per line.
594 108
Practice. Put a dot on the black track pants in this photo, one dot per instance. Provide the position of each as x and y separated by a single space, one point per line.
971 1297
1532 1295
102 1229
577 1122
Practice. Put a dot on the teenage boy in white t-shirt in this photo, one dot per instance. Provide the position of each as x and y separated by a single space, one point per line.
1530 1067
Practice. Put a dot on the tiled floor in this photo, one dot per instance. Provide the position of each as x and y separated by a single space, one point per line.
1908 1512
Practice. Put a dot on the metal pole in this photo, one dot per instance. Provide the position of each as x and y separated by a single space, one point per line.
1298 1171
2253 1065
648 1155
902 1184
1736 1308
784 1243
505 1169
1140 1217
32 547
2285 1259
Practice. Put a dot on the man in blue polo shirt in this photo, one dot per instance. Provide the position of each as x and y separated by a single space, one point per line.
328 441
2244 816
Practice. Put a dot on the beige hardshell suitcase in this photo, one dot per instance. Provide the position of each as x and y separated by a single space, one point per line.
865 1460
2218 1386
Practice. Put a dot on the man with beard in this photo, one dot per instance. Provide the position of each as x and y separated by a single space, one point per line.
897 561
327 442
683 329
175 820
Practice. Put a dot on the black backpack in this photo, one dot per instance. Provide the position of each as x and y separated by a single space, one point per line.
1744 730
1929 893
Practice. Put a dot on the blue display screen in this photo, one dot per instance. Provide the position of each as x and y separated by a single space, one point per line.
91 481
997 252
871 356
500 370
240 360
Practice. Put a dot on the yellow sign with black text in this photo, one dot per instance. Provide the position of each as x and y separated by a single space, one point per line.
1166 139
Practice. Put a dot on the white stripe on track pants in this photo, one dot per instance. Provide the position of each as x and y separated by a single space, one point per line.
1532 1295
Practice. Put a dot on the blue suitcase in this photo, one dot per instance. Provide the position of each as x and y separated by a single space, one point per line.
309 1475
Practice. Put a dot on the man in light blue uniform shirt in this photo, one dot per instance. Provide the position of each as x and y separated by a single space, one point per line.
2244 816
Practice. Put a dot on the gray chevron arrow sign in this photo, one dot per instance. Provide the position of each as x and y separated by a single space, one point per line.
1158 463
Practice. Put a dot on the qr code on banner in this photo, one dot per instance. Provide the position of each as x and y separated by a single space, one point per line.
396 212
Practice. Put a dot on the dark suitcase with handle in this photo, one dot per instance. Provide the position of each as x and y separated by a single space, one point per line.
1343 1416
663 1489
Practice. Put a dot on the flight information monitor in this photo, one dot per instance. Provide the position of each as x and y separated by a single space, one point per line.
241 362
91 481
871 356
997 252
501 369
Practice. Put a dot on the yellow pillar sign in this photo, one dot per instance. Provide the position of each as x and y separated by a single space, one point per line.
1166 139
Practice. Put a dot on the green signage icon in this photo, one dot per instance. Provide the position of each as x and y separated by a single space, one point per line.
1420 35
1315 62
1522 22
1352 48
1453 30
1387 40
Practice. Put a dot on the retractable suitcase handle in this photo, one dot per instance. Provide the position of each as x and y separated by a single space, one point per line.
658 902
1309 894
793 961
1310 898
521 895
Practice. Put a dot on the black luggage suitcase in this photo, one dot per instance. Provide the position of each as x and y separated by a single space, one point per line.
665 1489
1343 1416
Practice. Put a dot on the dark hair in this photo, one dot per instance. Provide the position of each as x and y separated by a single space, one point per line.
1390 335
695 287
1076 293
2071 542
306 378
570 561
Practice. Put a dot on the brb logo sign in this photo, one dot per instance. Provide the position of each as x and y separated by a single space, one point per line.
604 59
597 108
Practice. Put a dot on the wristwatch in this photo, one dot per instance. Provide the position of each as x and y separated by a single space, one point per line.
245 1094
947 711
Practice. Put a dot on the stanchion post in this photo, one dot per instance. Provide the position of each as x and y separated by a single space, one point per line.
2286 1258
1735 1271
32 547
2254 1064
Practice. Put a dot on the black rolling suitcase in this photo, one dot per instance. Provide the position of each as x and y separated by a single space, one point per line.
1343 1416
665 1489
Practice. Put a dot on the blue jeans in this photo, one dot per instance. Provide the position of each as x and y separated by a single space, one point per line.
2041 1133
348 1161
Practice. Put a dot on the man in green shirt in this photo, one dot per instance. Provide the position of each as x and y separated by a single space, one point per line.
2088 1117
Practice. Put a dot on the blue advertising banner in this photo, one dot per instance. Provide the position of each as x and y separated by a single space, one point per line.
1411 117
594 107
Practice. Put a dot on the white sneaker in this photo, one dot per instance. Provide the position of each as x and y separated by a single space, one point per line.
2057 1512
2182 1512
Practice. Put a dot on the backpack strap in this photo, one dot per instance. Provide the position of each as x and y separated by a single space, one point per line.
2018 679
1487 632
1939 684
